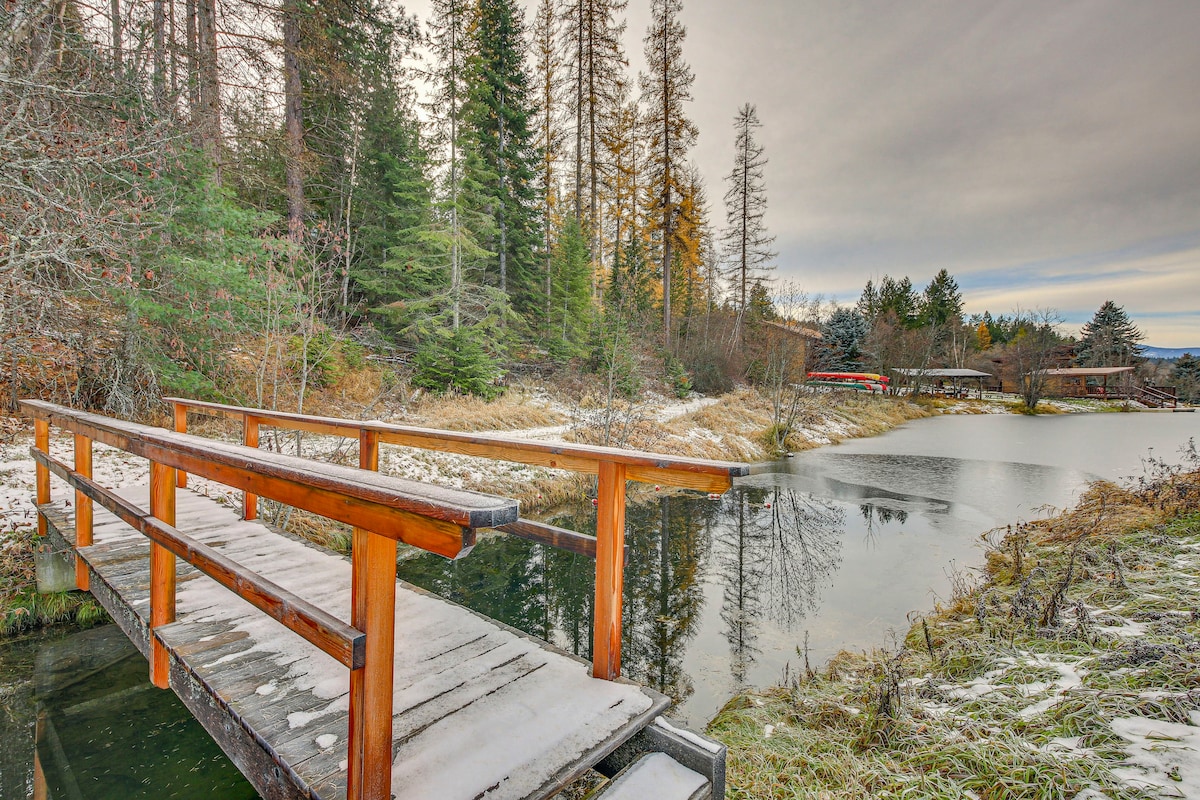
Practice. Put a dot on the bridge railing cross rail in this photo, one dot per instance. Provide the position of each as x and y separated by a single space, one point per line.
612 466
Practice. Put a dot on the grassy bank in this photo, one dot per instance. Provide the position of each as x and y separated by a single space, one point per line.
1070 670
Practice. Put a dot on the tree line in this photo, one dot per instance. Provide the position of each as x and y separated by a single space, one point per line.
197 192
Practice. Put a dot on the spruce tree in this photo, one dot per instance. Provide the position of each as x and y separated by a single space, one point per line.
842 338
1110 339
1186 377
942 301
498 114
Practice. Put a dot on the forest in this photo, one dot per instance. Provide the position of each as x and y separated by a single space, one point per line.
250 201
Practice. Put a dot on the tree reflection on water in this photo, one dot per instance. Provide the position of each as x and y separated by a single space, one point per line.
776 551
770 548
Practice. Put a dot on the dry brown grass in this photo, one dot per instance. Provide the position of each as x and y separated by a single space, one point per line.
514 410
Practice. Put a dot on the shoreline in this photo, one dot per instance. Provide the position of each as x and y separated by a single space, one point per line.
1069 671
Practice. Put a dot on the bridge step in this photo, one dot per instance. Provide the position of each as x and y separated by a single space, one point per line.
659 776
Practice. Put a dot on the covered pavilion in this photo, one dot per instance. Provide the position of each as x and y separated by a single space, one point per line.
955 376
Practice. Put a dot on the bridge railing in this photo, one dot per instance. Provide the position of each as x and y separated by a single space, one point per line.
612 466
382 510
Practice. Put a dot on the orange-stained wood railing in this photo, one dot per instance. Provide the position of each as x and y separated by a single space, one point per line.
382 511
612 466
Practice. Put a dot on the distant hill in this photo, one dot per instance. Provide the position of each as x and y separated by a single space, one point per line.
1169 353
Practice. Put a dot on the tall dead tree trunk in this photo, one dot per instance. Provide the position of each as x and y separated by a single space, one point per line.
293 120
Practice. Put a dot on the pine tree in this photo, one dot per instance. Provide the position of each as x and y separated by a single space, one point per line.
569 316
498 116
592 31
666 87
460 224
1110 339
1186 377
942 301
747 245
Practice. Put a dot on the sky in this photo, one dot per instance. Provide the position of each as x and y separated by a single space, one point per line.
1045 152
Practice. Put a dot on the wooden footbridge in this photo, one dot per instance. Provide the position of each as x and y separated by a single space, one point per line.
323 677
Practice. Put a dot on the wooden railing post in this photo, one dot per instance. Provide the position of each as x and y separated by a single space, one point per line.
610 574
83 509
250 439
41 440
180 427
162 572
373 566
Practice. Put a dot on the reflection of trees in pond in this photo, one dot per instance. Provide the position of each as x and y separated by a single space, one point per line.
503 577
775 551
550 592
668 542
882 515
540 590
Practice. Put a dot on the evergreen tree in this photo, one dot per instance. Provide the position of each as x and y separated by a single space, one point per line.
498 115
570 316
942 302
666 87
747 245
1186 377
1110 339
592 31
549 134
451 47
842 337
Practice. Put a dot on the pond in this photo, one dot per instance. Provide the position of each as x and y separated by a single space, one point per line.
832 548
829 550
80 719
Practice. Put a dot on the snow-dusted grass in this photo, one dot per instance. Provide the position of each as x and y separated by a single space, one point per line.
1071 671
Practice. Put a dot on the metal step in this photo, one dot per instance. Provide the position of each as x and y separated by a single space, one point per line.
690 751
658 776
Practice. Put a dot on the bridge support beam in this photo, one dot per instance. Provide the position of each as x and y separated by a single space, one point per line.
41 440
162 572
83 509
610 571
373 611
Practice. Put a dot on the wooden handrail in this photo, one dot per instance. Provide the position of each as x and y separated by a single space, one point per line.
687 473
434 518
613 467
382 510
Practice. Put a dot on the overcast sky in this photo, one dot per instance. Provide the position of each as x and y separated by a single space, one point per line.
1045 152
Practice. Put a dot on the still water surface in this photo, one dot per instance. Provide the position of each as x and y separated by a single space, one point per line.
835 546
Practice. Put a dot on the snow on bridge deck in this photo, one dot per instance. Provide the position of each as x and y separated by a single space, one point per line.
480 710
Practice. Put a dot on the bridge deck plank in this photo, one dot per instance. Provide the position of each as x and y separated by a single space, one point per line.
480 710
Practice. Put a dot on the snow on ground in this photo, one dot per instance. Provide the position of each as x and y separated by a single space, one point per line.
1163 757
